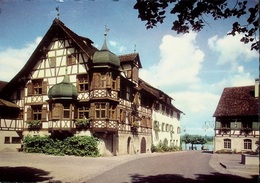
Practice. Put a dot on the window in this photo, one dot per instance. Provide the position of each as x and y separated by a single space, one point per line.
37 112
112 112
66 111
248 144
16 140
100 110
178 130
247 125
227 144
7 140
83 83
103 80
162 127
83 112
128 92
37 87
71 59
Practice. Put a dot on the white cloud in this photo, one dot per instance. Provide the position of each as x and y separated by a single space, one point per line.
13 59
180 63
117 47
230 50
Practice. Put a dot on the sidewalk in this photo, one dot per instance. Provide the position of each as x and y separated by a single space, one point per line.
231 163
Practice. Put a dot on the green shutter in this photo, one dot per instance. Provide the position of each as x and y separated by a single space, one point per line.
218 125
255 125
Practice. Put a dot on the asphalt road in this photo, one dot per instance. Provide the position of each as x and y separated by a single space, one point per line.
191 166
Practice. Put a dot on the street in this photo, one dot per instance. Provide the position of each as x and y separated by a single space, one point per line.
183 166
190 166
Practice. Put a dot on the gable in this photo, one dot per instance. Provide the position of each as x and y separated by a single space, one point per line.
57 36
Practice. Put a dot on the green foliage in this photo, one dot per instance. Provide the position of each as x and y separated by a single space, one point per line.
76 145
189 15
163 147
193 139
82 123
34 124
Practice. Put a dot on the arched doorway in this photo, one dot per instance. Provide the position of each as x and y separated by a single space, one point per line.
128 145
143 145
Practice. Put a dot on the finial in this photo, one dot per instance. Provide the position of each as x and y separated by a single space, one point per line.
106 30
58 12
135 48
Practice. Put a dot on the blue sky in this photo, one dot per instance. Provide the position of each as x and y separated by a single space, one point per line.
192 68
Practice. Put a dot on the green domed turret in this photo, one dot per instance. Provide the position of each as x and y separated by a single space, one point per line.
104 56
63 90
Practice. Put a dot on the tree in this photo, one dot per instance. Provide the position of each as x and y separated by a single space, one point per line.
191 15
193 139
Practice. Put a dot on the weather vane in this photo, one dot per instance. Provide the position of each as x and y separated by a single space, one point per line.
106 30
58 12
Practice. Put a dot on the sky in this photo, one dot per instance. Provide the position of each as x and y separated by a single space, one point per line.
192 68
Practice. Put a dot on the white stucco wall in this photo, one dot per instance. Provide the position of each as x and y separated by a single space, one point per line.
169 128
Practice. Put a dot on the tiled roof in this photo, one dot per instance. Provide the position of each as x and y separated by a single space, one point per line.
237 101
2 84
130 57
6 103
156 93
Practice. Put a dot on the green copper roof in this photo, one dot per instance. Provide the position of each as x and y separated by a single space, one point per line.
63 90
104 56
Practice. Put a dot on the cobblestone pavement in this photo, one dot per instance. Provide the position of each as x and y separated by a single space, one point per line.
20 166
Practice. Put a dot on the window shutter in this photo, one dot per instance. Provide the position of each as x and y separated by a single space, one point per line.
44 87
108 78
107 110
118 114
129 118
29 114
30 89
218 124
255 125
92 111
78 87
57 111
123 116
118 83
44 113
75 112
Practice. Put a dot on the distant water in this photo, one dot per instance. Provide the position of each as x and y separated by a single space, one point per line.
198 146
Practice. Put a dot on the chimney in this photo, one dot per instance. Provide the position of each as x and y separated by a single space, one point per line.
256 88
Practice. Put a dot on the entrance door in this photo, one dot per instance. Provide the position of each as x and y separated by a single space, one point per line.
128 145
143 145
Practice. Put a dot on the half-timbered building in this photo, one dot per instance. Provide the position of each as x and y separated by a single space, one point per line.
68 87
237 119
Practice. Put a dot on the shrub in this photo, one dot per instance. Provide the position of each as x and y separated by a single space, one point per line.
163 147
76 145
